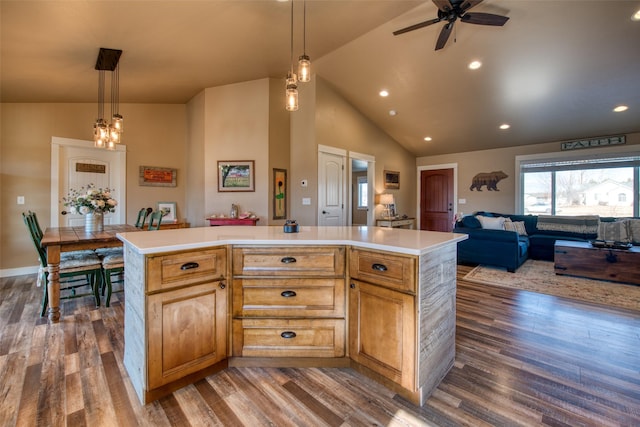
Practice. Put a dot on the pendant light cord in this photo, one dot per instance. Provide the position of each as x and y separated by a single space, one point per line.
291 38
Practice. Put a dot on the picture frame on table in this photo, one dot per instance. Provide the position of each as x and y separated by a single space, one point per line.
169 213
236 175
279 193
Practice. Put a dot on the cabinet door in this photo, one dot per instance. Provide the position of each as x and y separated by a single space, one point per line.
382 331
186 331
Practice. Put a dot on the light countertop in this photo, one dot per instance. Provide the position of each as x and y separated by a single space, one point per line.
412 242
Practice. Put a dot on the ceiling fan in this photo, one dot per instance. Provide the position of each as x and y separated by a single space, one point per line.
450 11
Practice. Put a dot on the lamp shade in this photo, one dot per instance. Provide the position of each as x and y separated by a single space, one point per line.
386 199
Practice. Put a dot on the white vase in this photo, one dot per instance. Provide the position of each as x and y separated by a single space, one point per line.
93 222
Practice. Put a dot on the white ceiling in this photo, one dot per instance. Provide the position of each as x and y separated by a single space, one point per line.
553 72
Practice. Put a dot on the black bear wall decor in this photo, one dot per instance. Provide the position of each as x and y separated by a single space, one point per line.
488 179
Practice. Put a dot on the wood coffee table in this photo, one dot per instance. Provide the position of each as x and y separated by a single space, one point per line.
581 259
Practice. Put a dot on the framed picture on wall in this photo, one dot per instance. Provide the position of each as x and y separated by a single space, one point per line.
279 193
236 175
392 179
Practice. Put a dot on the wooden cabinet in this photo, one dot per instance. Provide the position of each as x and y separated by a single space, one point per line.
289 301
187 331
382 315
186 316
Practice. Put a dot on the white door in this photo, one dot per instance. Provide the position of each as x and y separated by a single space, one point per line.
76 164
331 191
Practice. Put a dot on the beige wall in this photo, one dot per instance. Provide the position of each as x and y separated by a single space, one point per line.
338 124
155 135
504 159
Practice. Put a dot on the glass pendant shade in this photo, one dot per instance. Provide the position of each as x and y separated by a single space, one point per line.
117 121
304 68
292 97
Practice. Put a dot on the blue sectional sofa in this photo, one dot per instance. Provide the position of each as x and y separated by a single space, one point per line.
510 249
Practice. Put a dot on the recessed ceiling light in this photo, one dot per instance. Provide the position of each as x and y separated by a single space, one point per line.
384 93
393 112
636 16
474 65
505 126
427 138
620 108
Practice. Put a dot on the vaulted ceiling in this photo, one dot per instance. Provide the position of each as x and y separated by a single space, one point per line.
554 71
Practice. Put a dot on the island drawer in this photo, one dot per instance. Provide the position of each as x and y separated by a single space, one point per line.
392 271
326 261
289 337
309 297
185 268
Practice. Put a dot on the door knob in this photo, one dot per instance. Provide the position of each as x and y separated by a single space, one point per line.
325 212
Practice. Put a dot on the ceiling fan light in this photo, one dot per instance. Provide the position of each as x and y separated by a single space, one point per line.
304 68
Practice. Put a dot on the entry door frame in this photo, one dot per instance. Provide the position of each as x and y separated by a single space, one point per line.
371 175
56 143
453 166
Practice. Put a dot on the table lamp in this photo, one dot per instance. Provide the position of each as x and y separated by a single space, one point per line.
387 200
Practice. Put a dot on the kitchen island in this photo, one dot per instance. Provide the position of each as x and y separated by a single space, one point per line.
379 300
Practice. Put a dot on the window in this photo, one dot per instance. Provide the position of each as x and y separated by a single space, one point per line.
605 186
363 197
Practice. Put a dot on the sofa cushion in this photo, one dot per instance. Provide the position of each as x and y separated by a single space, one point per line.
517 226
616 231
489 223
587 224
470 221
633 229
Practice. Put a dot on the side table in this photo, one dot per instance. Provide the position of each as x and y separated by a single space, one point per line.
396 223
232 221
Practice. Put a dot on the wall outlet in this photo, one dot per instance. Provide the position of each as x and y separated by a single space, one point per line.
306 201
21 200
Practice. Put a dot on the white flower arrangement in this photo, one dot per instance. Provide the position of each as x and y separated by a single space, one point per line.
90 199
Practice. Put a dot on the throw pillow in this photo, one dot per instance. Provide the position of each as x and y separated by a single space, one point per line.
488 223
517 226
633 228
470 221
613 231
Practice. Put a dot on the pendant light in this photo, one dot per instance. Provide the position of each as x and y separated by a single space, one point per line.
108 134
304 63
292 87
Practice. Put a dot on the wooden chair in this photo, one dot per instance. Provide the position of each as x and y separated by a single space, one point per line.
155 219
142 216
112 264
80 269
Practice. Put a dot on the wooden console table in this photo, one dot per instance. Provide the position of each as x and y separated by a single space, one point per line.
232 221
173 225
581 259
397 223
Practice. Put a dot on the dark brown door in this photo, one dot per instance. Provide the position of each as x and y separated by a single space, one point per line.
436 200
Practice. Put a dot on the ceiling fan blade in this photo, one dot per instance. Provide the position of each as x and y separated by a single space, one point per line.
416 26
444 35
468 4
484 19
443 5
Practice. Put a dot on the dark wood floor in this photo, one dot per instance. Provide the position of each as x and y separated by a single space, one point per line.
522 359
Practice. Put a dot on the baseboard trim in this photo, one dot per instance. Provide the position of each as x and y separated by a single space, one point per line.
10 272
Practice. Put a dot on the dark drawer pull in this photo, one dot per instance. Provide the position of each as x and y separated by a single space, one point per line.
288 260
288 334
189 266
288 294
379 267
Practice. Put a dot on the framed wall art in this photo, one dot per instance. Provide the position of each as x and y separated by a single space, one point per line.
236 175
279 193
157 177
168 210
392 179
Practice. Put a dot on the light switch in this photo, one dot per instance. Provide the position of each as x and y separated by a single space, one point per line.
21 200
306 201
462 201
